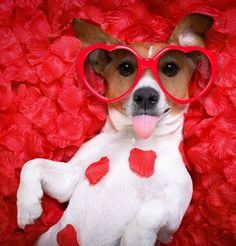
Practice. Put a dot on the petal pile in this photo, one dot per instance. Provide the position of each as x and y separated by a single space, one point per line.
46 112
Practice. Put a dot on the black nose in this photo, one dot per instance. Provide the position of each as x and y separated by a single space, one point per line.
146 97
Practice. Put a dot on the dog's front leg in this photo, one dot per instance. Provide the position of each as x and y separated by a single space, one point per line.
40 175
142 231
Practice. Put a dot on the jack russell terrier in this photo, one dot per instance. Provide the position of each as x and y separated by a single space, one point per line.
129 184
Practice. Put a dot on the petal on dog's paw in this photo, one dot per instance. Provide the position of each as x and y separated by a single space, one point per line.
142 162
96 171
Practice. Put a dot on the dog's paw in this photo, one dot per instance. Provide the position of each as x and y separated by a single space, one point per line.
28 203
28 213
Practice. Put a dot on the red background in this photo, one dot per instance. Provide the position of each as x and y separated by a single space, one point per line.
46 112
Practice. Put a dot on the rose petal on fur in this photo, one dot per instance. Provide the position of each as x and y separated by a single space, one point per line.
67 236
97 170
142 162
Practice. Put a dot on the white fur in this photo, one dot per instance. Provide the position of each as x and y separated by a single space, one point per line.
151 51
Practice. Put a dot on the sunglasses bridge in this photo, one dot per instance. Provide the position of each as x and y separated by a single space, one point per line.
148 64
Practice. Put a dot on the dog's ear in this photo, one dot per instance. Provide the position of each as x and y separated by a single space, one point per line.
191 29
91 34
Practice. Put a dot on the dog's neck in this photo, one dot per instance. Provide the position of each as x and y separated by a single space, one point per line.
168 125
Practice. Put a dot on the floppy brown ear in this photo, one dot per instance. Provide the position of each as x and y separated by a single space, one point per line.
191 29
91 34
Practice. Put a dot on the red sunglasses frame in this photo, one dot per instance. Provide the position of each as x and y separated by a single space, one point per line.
145 63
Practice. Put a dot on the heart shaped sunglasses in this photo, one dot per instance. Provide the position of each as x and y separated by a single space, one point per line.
112 72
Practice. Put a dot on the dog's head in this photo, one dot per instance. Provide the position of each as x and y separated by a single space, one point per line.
147 104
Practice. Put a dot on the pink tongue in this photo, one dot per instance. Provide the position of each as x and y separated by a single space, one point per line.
144 125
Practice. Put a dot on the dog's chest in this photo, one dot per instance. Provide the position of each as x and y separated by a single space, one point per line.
140 169
114 200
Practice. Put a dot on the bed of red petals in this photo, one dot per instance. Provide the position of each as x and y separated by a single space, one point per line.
46 112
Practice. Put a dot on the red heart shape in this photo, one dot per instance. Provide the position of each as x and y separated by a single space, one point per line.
97 170
67 236
142 162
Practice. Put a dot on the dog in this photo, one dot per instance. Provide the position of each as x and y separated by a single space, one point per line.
127 204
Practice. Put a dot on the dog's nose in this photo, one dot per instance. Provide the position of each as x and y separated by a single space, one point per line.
146 97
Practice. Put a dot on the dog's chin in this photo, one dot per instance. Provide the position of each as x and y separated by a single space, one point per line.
144 124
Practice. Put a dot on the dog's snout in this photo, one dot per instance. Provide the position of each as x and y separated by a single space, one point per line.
146 97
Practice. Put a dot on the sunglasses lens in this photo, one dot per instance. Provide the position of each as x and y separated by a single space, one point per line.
110 74
184 75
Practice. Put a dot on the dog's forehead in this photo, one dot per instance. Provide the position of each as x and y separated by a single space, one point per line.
148 50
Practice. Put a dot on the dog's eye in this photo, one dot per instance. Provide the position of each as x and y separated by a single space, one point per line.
170 69
126 69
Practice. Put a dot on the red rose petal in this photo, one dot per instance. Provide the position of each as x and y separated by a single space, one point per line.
40 111
69 130
28 3
6 97
10 49
71 99
199 154
30 25
38 51
66 47
51 90
230 173
97 170
6 9
142 162
51 69
20 72
215 102
67 236
52 211
91 12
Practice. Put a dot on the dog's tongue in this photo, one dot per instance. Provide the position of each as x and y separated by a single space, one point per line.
144 125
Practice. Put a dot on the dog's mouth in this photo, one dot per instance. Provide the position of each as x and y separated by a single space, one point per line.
144 124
